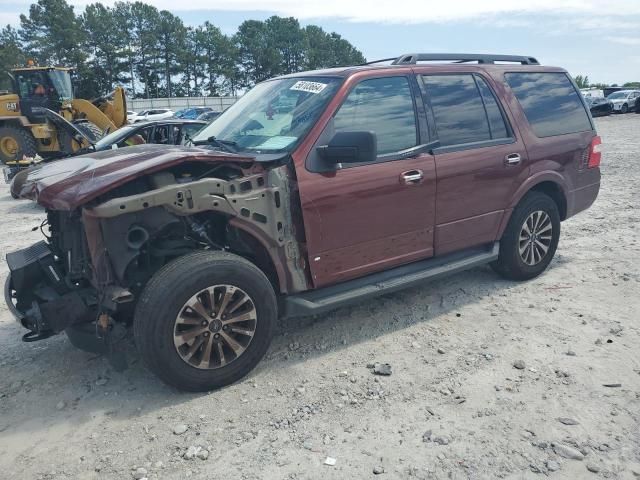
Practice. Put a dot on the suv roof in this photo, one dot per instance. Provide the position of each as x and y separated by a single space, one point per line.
413 59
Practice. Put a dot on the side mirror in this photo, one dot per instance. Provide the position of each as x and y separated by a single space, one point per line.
350 147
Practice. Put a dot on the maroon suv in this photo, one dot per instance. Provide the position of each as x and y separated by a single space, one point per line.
314 190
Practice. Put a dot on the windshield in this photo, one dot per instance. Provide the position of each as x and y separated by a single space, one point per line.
113 137
274 115
615 95
61 81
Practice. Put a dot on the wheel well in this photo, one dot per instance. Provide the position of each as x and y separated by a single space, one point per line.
248 247
554 191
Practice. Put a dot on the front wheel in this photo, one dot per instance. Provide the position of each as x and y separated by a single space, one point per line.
624 108
205 320
69 145
91 130
530 239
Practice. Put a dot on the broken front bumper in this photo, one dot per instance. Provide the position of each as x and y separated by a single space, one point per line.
39 298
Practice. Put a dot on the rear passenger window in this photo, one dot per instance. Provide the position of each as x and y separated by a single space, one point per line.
462 113
383 106
550 102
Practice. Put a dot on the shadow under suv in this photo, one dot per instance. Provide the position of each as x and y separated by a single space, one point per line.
314 190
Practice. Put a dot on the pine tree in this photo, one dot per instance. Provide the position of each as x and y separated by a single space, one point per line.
155 54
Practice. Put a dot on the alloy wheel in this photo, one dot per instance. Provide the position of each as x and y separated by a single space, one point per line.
215 327
535 237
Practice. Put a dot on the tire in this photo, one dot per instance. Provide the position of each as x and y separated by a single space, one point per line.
638 105
510 263
624 108
19 139
163 305
91 130
69 145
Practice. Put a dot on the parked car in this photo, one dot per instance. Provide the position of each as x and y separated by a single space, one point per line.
131 116
378 178
592 92
164 132
192 113
154 114
624 100
209 116
599 106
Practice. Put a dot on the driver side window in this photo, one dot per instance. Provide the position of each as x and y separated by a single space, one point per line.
385 107
139 137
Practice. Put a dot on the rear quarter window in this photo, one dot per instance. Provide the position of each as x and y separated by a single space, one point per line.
550 102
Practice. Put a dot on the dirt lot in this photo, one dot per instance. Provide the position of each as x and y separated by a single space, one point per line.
454 407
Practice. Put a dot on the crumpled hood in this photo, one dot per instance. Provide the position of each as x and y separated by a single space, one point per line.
69 183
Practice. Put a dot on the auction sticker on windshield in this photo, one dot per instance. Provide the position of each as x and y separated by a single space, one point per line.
305 86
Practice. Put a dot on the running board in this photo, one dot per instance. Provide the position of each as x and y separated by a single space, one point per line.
329 298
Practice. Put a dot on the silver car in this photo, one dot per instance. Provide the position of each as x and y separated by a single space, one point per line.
624 100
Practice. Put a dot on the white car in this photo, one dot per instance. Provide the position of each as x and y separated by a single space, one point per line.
624 100
153 114
131 116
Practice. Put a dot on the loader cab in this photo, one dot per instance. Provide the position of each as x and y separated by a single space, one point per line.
42 87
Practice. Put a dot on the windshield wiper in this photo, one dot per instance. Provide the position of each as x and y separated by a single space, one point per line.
226 145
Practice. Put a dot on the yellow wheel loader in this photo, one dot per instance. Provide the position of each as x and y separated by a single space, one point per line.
41 118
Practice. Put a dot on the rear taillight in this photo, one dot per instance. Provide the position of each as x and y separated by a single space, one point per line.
595 152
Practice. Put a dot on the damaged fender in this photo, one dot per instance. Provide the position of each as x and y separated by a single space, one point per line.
259 204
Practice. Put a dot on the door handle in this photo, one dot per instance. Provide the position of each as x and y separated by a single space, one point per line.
412 177
512 159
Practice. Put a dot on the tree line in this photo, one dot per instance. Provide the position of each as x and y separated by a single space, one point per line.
582 81
154 54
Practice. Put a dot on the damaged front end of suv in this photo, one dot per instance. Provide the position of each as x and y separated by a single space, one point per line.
194 247
115 218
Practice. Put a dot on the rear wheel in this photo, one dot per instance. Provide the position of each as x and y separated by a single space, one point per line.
205 320
69 145
91 130
16 143
530 239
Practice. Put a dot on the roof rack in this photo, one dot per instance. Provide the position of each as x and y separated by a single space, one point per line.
378 61
413 58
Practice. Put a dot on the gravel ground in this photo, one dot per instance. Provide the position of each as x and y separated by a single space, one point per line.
490 378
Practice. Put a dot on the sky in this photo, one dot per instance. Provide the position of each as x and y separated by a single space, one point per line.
598 38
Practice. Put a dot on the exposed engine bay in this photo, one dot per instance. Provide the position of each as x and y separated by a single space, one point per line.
98 257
